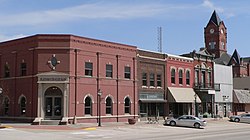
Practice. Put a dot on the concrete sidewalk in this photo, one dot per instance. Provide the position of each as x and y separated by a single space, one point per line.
88 126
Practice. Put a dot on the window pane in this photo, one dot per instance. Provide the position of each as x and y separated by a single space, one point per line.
152 79
88 106
127 73
180 77
188 78
173 76
127 105
109 70
158 80
23 69
88 69
144 79
7 71
108 106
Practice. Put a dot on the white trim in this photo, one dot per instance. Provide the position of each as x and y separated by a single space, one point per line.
152 58
180 57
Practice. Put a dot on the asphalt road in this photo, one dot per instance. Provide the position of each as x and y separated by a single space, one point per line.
217 130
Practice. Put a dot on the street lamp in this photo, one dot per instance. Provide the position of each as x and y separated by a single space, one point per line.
99 93
195 105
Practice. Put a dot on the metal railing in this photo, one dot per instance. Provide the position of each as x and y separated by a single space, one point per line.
207 86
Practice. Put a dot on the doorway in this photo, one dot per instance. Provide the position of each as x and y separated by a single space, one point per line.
53 103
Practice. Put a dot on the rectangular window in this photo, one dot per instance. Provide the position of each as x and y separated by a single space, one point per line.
109 70
159 80
23 69
209 79
152 79
127 72
196 78
88 69
144 79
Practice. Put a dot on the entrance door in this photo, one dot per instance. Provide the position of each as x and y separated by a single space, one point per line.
53 103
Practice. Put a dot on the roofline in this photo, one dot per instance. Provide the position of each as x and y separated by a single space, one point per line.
181 57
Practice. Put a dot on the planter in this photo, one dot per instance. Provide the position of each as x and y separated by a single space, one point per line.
131 121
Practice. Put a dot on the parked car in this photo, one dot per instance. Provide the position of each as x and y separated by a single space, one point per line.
241 118
186 120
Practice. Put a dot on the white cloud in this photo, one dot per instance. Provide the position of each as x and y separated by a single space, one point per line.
86 11
6 38
211 6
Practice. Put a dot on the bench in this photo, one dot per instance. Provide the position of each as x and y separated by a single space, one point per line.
153 120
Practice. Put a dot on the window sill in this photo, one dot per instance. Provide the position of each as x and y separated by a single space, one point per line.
144 86
151 87
159 87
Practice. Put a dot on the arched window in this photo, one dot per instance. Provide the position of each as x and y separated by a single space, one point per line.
188 77
180 77
173 76
127 106
88 106
23 105
108 105
6 106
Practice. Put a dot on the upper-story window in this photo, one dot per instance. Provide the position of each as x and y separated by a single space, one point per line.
109 70
180 77
188 77
127 72
88 69
173 76
158 80
23 69
6 70
209 78
144 79
222 45
212 45
196 77
152 79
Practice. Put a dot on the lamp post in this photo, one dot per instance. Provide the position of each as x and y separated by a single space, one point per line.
99 93
195 105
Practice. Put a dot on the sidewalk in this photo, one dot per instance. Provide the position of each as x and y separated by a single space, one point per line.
88 126
72 127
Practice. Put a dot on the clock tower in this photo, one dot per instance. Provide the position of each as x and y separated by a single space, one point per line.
215 34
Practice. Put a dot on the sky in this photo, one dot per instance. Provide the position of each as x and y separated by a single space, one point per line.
132 22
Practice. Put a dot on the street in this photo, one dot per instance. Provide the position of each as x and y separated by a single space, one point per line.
218 130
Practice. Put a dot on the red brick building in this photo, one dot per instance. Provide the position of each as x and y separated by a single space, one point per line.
180 79
58 77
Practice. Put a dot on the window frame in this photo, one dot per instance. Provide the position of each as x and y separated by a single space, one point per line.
173 76
127 72
88 70
187 77
180 74
159 80
109 71
127 106
144 79
152 80
23 68
109 108
88 107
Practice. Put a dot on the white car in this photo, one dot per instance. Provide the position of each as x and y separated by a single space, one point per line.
186 120
241 118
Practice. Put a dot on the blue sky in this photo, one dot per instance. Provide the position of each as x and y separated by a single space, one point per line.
132 22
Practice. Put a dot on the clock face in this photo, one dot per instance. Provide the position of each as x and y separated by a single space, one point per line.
211 31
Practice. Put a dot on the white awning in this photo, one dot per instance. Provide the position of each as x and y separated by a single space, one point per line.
182 95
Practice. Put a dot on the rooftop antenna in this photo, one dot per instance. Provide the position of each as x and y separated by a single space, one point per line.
159 37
